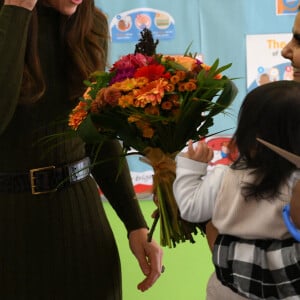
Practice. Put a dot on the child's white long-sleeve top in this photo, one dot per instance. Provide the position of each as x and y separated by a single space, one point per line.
217 196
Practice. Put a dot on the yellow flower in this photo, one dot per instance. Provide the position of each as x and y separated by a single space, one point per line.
141 81
126 100
126 85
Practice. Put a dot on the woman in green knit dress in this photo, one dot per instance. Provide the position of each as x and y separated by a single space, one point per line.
57 243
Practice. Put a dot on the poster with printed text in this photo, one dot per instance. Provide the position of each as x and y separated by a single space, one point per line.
264 60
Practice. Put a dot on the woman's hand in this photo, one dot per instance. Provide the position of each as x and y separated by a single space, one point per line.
201 152
149 256
28 4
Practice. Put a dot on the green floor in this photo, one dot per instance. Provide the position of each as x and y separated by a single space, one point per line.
188 266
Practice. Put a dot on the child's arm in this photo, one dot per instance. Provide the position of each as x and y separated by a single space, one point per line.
195 194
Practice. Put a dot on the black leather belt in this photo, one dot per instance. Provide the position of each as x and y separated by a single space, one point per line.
45 179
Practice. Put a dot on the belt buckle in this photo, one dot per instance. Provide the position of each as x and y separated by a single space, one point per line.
32 180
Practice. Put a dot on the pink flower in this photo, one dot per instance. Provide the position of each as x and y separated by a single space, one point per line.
132 61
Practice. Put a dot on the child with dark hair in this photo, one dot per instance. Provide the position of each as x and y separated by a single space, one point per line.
245 200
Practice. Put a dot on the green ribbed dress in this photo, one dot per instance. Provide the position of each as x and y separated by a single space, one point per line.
58 245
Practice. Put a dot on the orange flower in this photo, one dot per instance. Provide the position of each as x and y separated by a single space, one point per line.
166 105
181 87
133 118
181 75
190 86
170 87
145 128
174 98
151 93
218 76
95 108
148 132
105 96
174 79
111 95
185 61
152 110
78 114
98 103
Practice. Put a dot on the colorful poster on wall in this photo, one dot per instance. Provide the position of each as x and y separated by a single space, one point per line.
264 60
127 25
287 7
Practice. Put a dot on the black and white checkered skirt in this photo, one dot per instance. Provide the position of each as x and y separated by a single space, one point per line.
259 269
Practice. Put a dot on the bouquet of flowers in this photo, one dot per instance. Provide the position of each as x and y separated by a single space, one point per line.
154 104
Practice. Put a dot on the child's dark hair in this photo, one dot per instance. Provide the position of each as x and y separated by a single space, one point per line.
270 112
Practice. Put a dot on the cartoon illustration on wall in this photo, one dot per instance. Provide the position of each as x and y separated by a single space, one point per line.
127 25
224 154
264 60
287 7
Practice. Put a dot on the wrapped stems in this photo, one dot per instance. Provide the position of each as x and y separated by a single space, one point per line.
173 229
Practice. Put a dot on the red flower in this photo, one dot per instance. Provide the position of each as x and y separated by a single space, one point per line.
152 72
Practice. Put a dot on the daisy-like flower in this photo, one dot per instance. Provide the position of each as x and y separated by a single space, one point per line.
152 72
152 93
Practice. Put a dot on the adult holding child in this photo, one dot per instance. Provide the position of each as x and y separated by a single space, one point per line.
56 242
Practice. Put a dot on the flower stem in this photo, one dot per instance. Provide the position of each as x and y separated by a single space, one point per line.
155 221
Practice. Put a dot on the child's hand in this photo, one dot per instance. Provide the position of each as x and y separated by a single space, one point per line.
201 153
